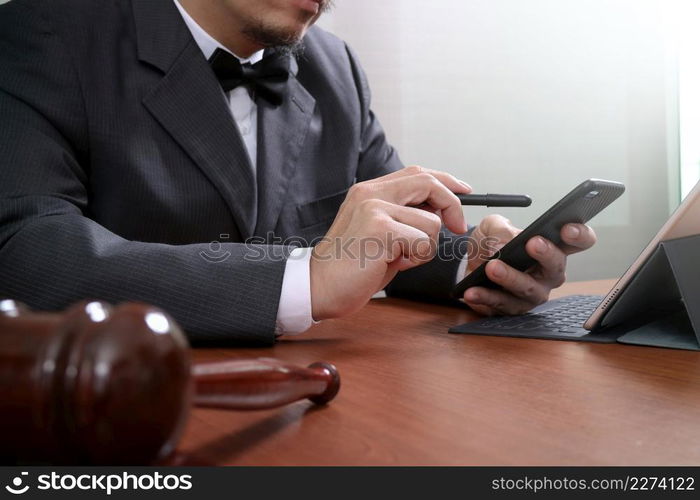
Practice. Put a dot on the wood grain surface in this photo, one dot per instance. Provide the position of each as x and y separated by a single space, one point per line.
413 394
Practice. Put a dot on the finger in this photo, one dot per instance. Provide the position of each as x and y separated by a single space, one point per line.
481 309
398 245
481 249
492 234
425 221
416 247
577 237
497 225
522 285
425 188
390 274
452 183
408 247
495 302
395 233
551 260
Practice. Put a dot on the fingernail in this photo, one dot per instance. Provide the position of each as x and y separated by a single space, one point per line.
465 185
473 297
498 270
540 246
572 231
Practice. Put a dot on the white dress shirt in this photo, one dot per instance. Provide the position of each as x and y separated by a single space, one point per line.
294 311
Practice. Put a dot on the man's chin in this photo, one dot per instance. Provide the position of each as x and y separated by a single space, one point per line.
267 35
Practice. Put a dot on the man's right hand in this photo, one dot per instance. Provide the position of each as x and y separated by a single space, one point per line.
384 226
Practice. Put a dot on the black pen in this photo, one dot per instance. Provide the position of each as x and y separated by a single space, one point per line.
495 200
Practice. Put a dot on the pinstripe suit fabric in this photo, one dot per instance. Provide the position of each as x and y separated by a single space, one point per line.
120 163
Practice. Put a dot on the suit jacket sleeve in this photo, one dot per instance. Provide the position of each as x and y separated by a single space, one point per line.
431 281
52 253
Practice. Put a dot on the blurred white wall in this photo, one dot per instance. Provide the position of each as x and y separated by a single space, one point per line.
531 96
687 15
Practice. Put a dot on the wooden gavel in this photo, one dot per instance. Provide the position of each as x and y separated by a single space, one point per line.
114 385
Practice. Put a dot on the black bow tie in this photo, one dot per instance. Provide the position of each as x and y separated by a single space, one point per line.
267 78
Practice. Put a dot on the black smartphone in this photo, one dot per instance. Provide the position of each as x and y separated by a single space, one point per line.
583 203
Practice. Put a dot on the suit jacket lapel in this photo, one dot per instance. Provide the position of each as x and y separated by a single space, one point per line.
189 103
281 134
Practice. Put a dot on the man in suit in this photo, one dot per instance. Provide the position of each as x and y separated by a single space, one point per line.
136 132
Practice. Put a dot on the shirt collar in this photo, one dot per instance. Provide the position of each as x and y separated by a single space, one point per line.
207 44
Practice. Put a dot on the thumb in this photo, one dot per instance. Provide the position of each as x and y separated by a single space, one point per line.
489 238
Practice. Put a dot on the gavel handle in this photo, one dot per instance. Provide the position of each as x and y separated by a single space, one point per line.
259 384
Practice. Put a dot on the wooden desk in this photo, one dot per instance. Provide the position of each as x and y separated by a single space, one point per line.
413 394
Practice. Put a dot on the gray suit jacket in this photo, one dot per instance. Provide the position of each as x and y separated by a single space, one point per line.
120 164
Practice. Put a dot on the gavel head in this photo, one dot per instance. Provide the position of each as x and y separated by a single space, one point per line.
97 384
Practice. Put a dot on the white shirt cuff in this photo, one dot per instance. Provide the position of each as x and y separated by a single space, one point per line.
294 311
462 269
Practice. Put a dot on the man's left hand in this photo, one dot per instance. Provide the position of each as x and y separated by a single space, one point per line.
522 291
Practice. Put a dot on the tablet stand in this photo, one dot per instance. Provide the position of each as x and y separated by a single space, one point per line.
666 291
